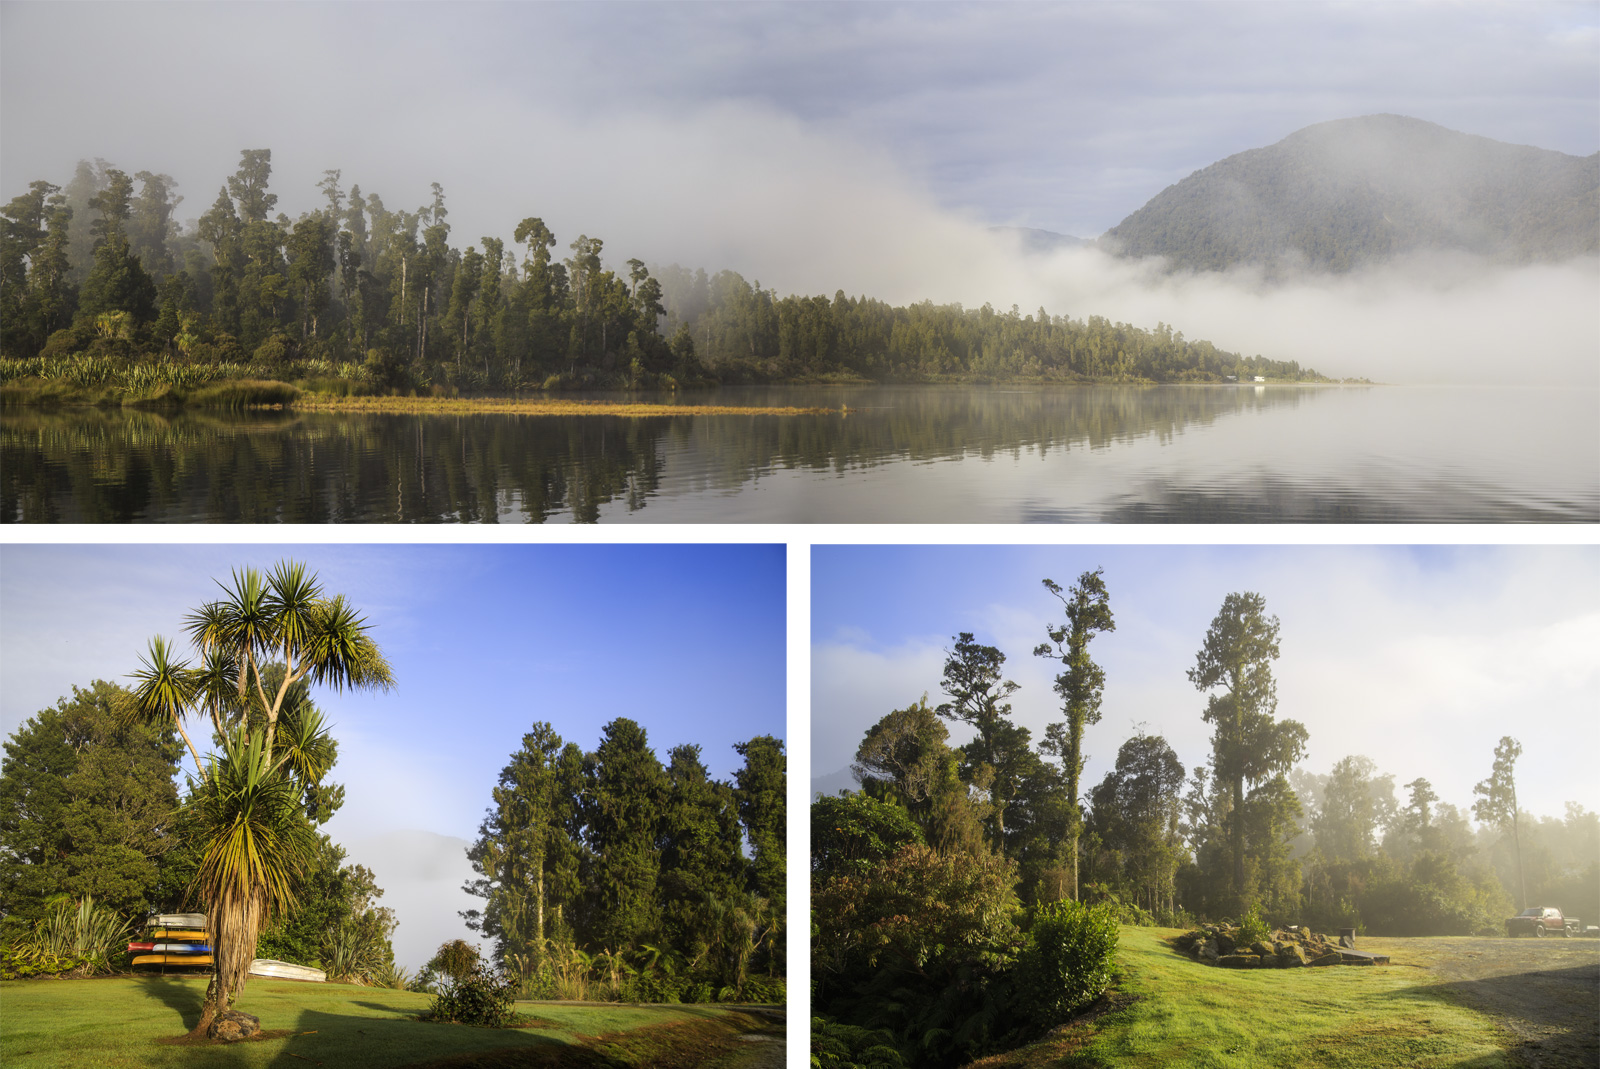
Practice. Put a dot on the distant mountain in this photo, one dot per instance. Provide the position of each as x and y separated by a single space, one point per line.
833 783
1341 194
1041 240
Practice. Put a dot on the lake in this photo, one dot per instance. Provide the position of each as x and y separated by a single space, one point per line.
1187 454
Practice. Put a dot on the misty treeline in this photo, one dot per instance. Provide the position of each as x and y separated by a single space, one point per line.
926 881
380 299
90 806
608 875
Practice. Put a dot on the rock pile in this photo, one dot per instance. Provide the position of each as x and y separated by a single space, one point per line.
1286 948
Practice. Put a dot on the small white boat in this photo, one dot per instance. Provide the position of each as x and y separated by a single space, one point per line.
283 970
179 920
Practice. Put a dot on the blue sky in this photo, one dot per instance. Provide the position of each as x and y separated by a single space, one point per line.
688 640
1419 657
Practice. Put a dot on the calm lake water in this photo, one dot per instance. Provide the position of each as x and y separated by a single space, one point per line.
1191 454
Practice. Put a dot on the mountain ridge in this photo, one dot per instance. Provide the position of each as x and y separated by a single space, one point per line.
1350 192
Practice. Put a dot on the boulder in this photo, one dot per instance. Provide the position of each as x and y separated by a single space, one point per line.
1209 951
1225 942
1261 948
1239 961
230 1026
1291 956
1329 957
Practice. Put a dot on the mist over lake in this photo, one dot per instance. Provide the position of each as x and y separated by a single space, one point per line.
1190 454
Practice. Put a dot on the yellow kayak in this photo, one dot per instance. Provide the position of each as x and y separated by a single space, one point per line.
179 935
172 959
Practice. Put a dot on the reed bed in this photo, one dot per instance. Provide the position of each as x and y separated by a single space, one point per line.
466 406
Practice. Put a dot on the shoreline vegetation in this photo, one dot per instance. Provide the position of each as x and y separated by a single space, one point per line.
108 300
176 386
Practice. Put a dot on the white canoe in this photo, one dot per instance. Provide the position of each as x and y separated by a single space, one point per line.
179 920
283 970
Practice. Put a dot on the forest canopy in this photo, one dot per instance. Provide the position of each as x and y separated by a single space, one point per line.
98 277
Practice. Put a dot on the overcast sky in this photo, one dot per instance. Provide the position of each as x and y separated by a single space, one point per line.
484 640
1061 116
814 147
1418 657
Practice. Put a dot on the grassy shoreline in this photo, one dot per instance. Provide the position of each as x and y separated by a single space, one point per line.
237 394
518 406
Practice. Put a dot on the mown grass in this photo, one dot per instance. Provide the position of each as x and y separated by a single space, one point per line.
138 1021
530 407
1176 1012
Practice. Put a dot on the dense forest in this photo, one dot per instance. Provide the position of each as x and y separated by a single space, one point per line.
930 882
90 807
100 284
1338 195
669 881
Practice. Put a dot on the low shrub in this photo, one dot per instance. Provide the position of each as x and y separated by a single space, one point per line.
1066 962
479 997
764 989
23 961
847 1046
1253 928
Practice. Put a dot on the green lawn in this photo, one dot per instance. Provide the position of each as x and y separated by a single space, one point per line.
133 1021
1182 1013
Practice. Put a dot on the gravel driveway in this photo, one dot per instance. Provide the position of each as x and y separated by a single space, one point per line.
1545 992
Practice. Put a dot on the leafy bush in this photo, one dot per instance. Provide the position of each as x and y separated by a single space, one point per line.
1253 928
765 989
478 997
22 961
1066 962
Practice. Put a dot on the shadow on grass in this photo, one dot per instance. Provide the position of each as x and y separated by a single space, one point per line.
183 999
336 1039
1551 1012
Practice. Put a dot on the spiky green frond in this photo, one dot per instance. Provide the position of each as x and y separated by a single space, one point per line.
166 687
292 599
341 652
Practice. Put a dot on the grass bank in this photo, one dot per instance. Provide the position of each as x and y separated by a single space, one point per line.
1169 1010
466 406
131 1022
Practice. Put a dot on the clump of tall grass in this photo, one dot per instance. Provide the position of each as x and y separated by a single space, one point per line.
80 937
350 954
243 393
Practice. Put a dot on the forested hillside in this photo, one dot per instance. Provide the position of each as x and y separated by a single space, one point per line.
1341 194
100 285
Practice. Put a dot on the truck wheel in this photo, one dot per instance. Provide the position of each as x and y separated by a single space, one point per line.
1538 931
1566 933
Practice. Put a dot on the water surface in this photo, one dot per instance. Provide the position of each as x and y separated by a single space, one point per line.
1195 454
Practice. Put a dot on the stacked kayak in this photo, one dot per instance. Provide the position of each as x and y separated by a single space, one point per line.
283 970
173 939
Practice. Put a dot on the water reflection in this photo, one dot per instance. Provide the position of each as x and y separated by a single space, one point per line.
1191 454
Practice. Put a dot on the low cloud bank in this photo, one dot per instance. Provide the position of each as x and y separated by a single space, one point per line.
421 873
809 210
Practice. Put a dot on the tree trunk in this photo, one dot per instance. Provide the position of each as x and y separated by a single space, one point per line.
1074 868
1236 820
1516 843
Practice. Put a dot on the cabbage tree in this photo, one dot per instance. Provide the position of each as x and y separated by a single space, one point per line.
262 645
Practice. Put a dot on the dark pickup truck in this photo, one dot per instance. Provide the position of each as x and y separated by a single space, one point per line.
1538 921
